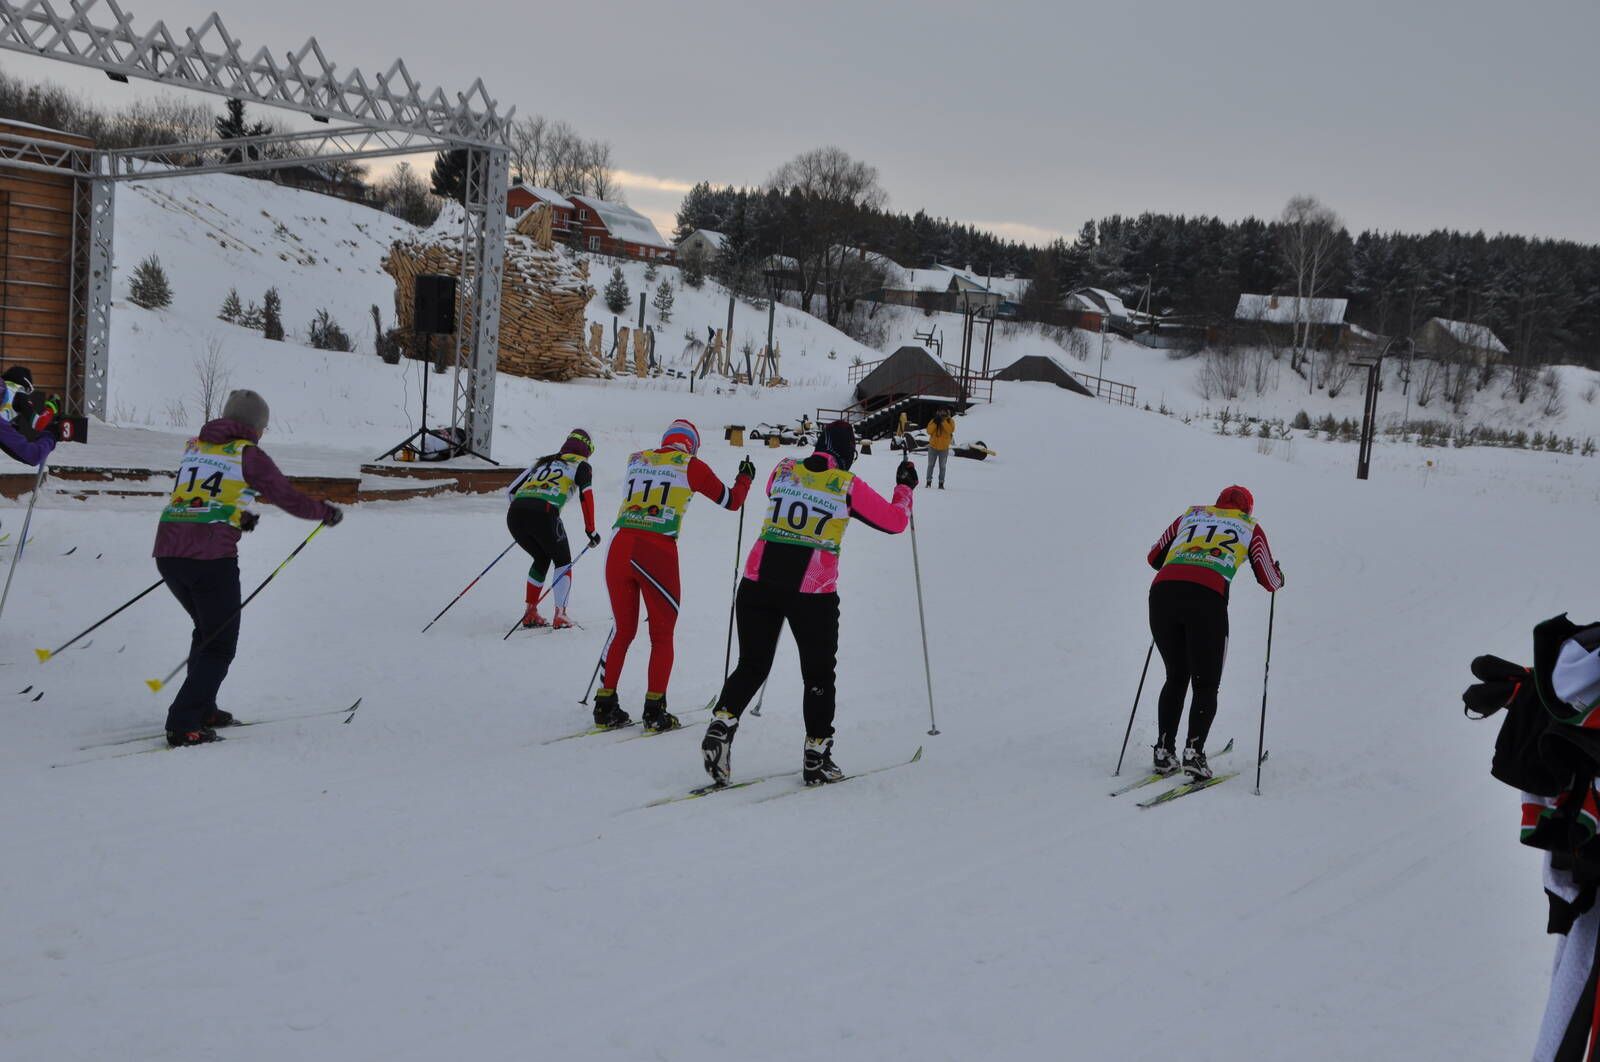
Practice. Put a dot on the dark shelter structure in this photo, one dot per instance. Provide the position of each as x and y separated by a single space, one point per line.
1039 368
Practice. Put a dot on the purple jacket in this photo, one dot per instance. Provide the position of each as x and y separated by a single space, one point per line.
28 451
218 541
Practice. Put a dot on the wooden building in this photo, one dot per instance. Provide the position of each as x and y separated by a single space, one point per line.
619 230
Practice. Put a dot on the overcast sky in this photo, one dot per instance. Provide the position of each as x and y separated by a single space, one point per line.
1027 118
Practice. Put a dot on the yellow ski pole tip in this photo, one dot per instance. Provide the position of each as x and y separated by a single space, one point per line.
154 684
42 654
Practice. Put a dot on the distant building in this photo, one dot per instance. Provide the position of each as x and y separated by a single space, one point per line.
1096 309
1442 339
949 289
706 241
524 197
615 229
1274 318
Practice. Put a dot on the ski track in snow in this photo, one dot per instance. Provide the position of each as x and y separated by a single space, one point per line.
429 881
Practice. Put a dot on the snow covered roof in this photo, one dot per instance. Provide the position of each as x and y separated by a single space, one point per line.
624 222
712 237
548 195
1282 309
1477 336
1098 299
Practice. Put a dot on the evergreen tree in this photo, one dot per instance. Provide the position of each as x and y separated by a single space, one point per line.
663 301
650 270
616 292
150 288
693 268
449 177
231 126
272 315
232 309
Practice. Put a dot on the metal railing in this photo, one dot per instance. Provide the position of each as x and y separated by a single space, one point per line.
1120 393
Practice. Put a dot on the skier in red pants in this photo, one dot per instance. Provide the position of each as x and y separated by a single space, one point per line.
643 562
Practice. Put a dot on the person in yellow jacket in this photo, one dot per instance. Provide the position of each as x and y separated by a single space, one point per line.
941 434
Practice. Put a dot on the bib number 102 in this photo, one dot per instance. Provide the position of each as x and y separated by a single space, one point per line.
797 515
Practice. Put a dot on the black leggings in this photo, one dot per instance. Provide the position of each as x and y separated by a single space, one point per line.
208 590
1190 625
814 620
537 527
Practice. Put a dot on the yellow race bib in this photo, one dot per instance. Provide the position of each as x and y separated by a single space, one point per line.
1209 537
658 492
211 488
551 481
808 508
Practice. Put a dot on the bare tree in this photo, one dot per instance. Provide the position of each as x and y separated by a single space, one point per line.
527 136
825 194
211 378
1309 234
597 171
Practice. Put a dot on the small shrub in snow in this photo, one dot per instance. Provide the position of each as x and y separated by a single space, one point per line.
150 288
231 310
1553 402
1301 420
650 270
617 294
1588 448
663 301
693 268
386 342
324 333
272 315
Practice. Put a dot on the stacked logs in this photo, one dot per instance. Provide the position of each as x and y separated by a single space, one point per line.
542 297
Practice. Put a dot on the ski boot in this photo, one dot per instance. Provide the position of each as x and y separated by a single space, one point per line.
819 768
531 617
656 717
178 739
716 748
561 622
216 719
608 715
1166 760
1194 763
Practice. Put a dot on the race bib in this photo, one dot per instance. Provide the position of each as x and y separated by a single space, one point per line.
210 488
1209 537
807 508
658 492
551 481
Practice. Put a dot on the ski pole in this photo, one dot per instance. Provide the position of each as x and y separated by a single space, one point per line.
156 684
598 664
733 604
470 585
927 664
1139 693
46 654
1261 739
22 543
546 591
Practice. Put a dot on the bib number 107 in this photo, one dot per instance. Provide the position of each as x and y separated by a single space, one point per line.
797 515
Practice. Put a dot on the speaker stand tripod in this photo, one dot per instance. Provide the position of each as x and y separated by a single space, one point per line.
415 443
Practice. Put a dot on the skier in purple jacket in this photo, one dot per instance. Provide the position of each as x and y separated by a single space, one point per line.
224 470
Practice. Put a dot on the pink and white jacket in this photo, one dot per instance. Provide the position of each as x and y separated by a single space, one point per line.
816 571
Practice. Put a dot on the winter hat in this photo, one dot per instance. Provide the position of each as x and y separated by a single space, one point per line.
1576 676
1236 497
578 442
19 378
838 440
682 435
246 407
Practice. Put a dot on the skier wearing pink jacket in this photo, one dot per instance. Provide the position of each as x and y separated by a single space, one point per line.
792 575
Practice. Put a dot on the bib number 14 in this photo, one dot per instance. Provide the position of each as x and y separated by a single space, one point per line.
212 484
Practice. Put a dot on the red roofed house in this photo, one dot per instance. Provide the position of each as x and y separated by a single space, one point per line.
524 197
615 229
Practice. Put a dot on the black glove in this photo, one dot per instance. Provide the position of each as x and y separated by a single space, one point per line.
594 539
1282 582
906 475
248 521
335 514
747 469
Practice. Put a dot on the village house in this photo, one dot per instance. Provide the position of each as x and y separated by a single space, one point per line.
706 242
524 197
618 230
1273 319
1445 340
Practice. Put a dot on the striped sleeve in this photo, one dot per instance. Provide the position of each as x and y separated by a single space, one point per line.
1261 562
1158 552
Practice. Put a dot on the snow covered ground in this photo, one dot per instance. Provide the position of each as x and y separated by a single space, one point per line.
432 880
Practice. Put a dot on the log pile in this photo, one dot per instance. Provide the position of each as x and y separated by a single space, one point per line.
543 295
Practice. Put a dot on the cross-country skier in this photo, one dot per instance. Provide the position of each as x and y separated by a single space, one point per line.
643 562
223 471
1196 559
534 518
792 575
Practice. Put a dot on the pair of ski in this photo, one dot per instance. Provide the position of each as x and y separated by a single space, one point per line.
631 732
348 712
728 787
1181 790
